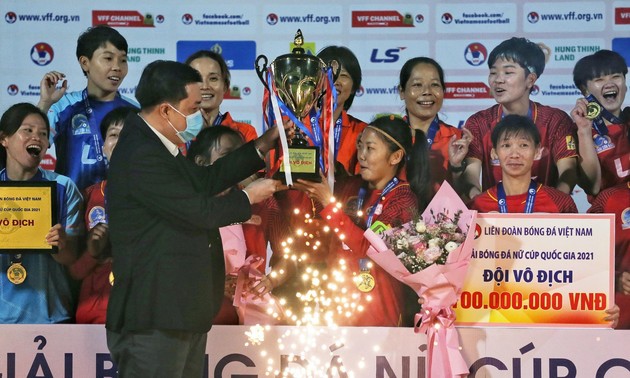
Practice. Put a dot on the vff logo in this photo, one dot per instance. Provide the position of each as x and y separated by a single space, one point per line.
390 55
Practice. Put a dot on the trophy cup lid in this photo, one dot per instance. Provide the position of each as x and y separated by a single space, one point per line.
298 41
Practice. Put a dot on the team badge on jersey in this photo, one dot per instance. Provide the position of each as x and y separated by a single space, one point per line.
80 125
570 143
602 143
625 219
379 209
96 216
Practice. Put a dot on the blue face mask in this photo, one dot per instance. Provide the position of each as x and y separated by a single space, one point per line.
194 124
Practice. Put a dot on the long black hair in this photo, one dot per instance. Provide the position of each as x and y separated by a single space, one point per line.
12 120
416 158
209 139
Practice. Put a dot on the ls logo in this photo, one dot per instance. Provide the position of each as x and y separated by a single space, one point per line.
390 55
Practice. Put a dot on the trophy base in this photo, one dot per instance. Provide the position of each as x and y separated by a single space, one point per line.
304 162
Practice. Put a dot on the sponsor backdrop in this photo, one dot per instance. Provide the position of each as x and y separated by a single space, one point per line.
39 36
238 351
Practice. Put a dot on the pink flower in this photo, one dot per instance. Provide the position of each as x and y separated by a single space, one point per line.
431 254
433 229
419 248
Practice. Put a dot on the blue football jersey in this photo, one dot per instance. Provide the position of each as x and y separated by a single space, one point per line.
45 295
75 131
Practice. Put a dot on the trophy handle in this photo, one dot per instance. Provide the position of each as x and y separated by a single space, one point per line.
336 67
260 71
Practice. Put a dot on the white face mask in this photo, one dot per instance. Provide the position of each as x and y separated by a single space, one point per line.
194 124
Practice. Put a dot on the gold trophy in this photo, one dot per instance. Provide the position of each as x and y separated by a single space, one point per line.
299 81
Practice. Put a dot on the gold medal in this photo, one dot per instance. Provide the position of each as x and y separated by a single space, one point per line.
111 278
16 273
365 281
593 110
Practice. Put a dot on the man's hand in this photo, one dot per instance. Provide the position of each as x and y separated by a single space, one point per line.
262 189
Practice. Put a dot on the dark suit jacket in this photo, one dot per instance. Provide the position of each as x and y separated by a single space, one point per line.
163 222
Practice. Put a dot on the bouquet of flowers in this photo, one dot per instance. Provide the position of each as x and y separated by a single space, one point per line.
431 255
419 245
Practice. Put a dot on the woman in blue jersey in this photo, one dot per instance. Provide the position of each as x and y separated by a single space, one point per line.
34 288
76 116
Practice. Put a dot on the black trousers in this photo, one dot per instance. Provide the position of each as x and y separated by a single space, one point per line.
158 353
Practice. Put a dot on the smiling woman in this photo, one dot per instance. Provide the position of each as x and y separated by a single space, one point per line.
215 77
602 79
421 87
376 195
75 116
514 67
43 295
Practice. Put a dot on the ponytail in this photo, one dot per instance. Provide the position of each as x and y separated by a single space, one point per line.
418 174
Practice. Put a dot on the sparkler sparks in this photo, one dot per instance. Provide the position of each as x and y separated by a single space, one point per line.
327 298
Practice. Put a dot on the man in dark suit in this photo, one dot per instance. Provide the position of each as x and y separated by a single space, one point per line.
163 220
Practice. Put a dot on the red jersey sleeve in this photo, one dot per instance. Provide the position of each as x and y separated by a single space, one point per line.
563 202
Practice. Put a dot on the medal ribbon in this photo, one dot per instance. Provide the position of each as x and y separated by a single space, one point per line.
598 123
278 118
431 132
363 192
433 129
529 203
96 134
364 265
330 99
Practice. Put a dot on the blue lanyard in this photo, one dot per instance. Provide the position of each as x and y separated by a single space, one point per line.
433 129
529 203
431 132
598 123
337 132
363 191
337 135
219 119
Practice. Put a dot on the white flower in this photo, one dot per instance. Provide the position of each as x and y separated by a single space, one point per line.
402 243
449 226
421 226
431 254
435 242
451 246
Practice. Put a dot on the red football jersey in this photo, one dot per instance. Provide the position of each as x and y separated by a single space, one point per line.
95 286
438 155
351 128
247 131
557 140
548 200
613 152
616 200
385 303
